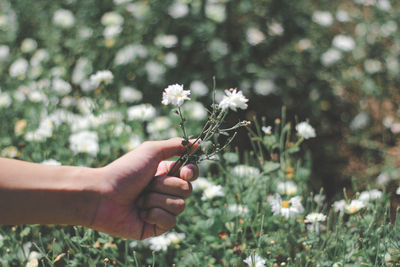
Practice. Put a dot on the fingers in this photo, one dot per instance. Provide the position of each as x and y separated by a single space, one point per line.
188 172
171 204
159 217
171 185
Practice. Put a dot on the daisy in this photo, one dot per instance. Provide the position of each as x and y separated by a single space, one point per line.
254 261
288 209
175 95
233 99
354 206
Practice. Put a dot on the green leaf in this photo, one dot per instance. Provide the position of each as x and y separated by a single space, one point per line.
270 166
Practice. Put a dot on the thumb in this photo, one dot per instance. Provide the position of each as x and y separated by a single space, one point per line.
166 149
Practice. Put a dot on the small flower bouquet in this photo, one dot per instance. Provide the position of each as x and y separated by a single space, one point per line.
207 139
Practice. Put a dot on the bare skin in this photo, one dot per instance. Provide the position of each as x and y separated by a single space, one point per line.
131 197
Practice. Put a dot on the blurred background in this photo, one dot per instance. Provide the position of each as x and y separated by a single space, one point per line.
333 63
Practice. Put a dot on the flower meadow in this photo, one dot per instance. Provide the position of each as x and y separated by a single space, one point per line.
294 105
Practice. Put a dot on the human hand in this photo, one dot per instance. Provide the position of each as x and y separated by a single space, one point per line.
138 200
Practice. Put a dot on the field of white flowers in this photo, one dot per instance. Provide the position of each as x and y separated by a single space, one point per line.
311 179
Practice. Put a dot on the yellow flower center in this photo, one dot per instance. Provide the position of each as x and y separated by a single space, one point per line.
285 204
179 95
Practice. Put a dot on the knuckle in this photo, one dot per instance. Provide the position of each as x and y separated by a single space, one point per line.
180 205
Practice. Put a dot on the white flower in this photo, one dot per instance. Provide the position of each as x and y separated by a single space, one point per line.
4 52
175 95
383 179
64 18
343 42
129 53
305 130
254 36
61 87
85 141
212 192
255 261
178 10
5 100
112 31
159 124
233 99
339 206
370 195
38 57
315 217
266 129
163 241
342 15
323 18
195 111
103 76
215 12
112 19
133 142
51 162
238 209
372 66
9 152
398 191
244 171
155 71
264 87
142 112
288 209
314 220
130 94
198 88
166 41
18 67
171 59
304 44
384 5
83 68
28 45
330 57
287 188
275 29
360 121
319 198
202 183
354 206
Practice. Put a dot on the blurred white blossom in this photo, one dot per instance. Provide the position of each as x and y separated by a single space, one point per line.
354 206
112 19
215 12
129 94
4 52
198 88
101 77
287 188
51 162
339 206
61 87
330 57
64 18
343 42
305 130
254 36
178 10
142 112
84 142
5 100
323 18
264 87
166 41
28 45
19 68
371 195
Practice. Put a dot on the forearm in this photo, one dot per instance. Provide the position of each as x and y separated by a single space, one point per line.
32 193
